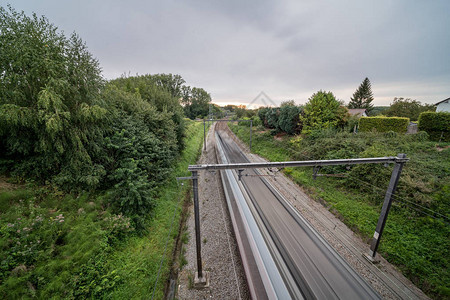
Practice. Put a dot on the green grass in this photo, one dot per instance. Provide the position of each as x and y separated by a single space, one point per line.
58 245
416 243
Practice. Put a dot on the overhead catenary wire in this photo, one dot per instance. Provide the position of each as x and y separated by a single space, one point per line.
398 198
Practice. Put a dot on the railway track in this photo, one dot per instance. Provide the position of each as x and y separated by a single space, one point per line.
283 256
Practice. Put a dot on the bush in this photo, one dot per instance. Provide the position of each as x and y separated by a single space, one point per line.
289 119
272 118
383 124
262 115
436 124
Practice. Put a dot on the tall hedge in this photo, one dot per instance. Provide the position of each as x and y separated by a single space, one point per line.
436 124
384 124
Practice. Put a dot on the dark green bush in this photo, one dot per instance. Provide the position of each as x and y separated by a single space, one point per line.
281 119
383 124
289 119
272 116
262 115
436 124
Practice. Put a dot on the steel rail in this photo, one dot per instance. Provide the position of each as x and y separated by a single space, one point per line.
272 281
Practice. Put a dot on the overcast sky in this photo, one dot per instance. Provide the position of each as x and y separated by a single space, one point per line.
236 49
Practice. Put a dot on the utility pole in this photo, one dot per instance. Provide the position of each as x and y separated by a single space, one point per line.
251 126
201 279
386 207
204 135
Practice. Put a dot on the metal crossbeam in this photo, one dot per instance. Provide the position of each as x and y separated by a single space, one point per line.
307 163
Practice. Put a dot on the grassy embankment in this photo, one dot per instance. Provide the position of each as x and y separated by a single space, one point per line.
72 246
415 239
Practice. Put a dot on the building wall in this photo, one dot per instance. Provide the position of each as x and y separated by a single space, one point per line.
444 106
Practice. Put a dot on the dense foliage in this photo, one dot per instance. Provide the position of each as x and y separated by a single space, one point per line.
162 91
363 96
323 111
407 108
49 103
383 124
416 233
436 124
377 110
285 118
61 123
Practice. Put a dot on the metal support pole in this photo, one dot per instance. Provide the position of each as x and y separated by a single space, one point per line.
204 135
197 223
386 206
251 126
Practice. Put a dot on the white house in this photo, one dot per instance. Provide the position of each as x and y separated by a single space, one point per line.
443 105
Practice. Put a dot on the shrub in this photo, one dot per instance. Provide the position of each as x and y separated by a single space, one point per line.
162 91
383 124
436 124
262 115
272 118
289 119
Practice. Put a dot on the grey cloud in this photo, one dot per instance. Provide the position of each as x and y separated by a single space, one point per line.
289 49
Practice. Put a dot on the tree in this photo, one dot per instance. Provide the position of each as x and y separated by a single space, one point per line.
323 111
289 119
240 111
163 91
49 108
408 108
172 83
362 97
196 104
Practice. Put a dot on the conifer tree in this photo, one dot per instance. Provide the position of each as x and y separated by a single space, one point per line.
362 97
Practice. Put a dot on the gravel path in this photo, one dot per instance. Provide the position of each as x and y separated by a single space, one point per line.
220 254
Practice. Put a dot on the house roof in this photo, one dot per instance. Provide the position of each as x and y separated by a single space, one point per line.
357 111
442 101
